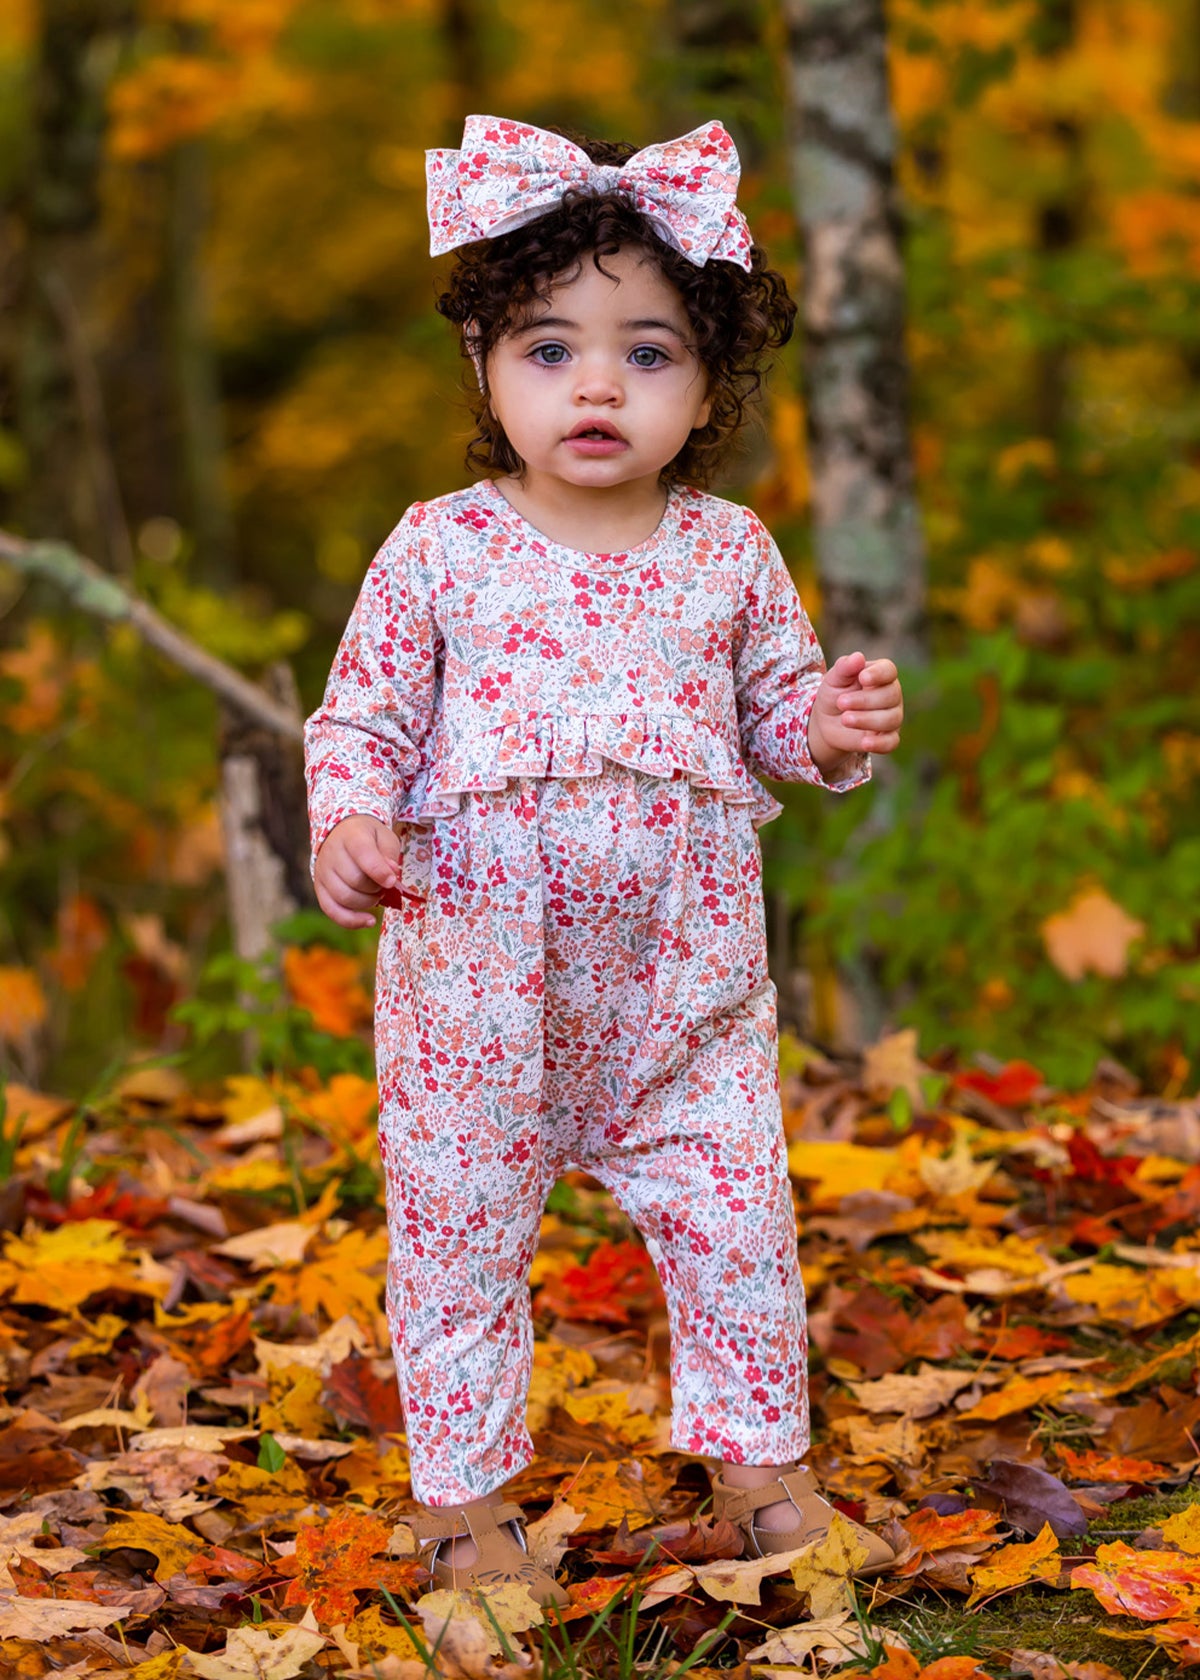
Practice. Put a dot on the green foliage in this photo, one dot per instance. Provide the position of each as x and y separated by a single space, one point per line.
271 1455
949 897
244 1003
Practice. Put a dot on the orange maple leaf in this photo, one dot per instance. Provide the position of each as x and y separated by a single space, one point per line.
333 1560
1148 1585
329 985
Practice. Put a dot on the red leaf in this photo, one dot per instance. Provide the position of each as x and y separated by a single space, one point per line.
1012 1087
357 1395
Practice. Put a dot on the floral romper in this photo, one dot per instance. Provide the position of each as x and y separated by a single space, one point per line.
575 974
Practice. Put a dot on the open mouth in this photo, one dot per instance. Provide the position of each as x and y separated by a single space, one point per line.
595 430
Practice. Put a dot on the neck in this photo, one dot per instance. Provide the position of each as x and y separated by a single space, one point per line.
596 520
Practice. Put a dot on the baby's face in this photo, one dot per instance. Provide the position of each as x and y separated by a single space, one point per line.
599 386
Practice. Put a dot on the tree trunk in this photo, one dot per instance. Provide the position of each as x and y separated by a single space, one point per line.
867 533
69 489
265 822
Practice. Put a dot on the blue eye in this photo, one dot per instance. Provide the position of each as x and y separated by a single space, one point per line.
648 355
550 355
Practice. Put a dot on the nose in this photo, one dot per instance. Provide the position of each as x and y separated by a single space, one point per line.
598 383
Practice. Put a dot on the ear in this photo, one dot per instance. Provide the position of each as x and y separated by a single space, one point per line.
702 418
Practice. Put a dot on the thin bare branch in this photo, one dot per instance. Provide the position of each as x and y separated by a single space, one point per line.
101 596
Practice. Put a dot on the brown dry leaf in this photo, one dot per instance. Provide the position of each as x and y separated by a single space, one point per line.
916 1396
255 1653
269 1246
1092 936
18 1537
738 1581
330 1348
894 1065
547 1536
838 1634
42 1619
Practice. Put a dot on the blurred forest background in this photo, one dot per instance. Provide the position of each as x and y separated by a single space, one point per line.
222 378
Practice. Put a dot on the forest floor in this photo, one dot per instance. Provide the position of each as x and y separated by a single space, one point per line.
202 1465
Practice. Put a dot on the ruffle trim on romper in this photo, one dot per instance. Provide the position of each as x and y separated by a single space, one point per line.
568 744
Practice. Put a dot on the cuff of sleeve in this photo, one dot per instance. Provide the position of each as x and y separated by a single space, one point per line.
322 826
858 771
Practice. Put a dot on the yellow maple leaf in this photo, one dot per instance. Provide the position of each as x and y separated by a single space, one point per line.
825 1569
1134 1297
611 1411
1182 1529
345 1277
373 1472
1021 1393
294 1404
376 1638
61 1268
1016 1566
963 1252
841 1169
606 1490
173 1545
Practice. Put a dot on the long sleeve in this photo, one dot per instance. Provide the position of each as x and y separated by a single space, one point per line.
362 747
778 667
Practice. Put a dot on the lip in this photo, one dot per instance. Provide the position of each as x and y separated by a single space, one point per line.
609 442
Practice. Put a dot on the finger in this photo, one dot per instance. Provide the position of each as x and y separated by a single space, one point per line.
891 717
870 699
876 672
366 852
884 743
843 673
343 917
351 894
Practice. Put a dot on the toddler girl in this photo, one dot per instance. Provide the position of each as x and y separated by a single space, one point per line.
534 750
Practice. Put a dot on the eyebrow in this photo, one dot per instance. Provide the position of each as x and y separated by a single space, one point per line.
651 324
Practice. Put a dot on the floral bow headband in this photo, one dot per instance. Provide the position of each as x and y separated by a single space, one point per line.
507 174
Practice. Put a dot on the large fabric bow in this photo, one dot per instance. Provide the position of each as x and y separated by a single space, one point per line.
506 174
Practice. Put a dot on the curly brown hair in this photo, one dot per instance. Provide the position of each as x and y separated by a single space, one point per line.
737 317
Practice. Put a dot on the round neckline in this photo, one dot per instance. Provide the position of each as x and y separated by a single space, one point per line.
579 558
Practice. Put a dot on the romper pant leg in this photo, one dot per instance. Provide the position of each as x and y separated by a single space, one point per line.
459 1048
662 1068
702 1171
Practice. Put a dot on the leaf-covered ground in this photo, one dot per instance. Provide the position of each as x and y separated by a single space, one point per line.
202 1465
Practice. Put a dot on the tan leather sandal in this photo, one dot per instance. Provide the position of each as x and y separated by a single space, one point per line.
499 1535
814 1515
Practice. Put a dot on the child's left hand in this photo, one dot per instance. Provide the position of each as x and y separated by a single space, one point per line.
859 708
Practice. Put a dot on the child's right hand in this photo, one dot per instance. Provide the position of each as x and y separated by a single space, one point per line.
357 863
